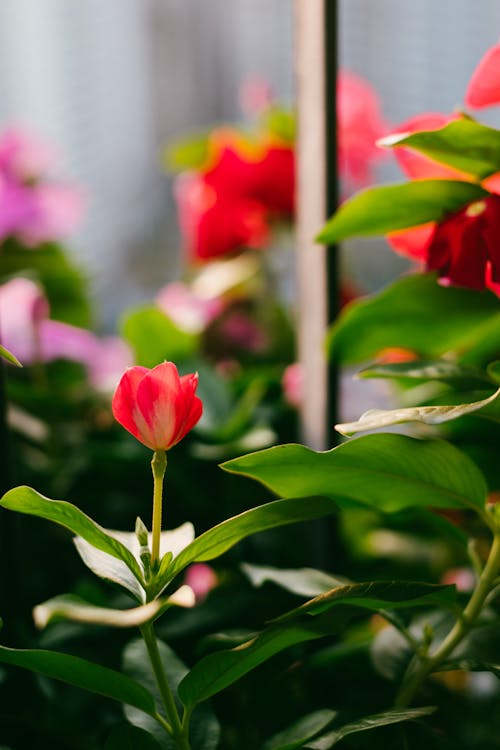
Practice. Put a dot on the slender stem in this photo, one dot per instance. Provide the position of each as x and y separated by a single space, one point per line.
158 465
178 730
419 670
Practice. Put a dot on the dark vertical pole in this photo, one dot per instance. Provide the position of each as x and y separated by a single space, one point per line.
331 200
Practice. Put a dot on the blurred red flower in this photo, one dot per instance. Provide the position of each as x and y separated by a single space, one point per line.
157 406
483 89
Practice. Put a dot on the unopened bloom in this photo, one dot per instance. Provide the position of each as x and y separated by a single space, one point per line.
484 86
157 406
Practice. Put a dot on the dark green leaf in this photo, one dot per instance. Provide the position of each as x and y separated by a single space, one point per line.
155 338
369 722
83 674
464 144
377 595
128 737
28 501
388 208
388 472
225 535
302 730
404 314
376 418
205 729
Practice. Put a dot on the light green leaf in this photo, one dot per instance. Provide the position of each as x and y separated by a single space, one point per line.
376 418
28 501
388 208
464 144
154 337
385 471
384 719
301 581
5 354
225 535
302 730
83 674
441 370
78 610
404 314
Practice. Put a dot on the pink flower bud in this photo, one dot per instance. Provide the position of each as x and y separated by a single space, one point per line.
157 406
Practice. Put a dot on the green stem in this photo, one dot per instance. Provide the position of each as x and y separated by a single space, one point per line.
158 465
419 670
178 730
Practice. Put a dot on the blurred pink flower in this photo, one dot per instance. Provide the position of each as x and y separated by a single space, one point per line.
58 210
360 125
23 156
238 329
256 95
202 579
483 89
188 310
27 331
463 578
17 207
293 384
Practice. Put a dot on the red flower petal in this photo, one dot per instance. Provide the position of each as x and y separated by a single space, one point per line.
484 86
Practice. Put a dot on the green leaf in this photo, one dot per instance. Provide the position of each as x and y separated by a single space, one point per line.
78 610
388 208
225 535
300 581
302 730
403 314
384 719
83 674
5 354
376 418
218 670
28 501
464 144
376 595
205 730
440 370
385 471
188 153
128 737
154 337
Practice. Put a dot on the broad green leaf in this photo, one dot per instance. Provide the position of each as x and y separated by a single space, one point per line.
376 595
300 581
441 370
218 670
385 471
302 730
27 500
225 535
384 719
9 357
154 337
128 737
205 730
83 674
464 144
78 610
388 208
374 419
417 313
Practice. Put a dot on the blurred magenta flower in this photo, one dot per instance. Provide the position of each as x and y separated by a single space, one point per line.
33 208
238 329
483 89
27 330
157 406
188 310
292 383
201 578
